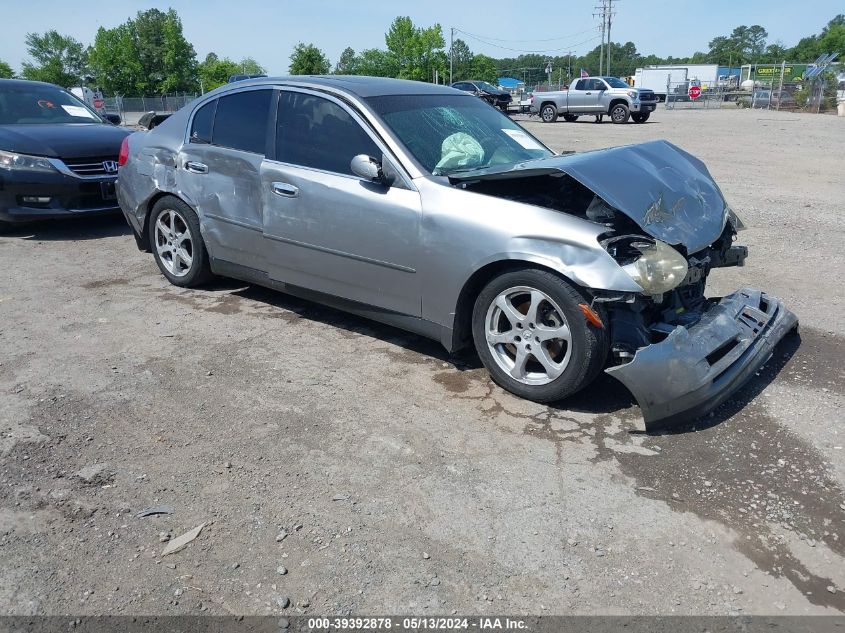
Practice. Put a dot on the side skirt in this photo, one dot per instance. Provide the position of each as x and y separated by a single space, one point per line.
407 322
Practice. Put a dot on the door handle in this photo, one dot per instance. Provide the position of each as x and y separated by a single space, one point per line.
589 93
195 167
286 190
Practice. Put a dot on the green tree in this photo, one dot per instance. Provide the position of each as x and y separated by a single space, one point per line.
745 45
146 55
251 67
832 38
307 59
6 71
416 52
484 69
57 58
115 63
214 72
348 62
461 60
375 62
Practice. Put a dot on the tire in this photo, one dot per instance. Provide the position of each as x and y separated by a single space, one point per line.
548 113
174 232
569 365
570 118
619 113
640 117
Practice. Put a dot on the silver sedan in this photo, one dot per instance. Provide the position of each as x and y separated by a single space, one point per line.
425 208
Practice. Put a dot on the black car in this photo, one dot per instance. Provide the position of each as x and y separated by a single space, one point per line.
491 94
58 158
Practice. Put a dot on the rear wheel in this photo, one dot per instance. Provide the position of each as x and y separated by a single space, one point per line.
570 118
640 117
548 113
619 113
177 244
533 337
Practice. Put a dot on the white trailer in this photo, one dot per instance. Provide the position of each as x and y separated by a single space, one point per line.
659 79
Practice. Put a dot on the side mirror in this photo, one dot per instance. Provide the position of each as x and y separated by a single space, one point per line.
114 119
368 168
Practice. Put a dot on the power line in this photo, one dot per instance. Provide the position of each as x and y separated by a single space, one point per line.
550 39
519 50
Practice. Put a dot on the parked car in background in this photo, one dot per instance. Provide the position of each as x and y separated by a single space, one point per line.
596 95
419 206
490 93
235 78
58 158
773 99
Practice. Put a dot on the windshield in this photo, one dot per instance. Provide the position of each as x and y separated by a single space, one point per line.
36 103
486 86
449 133
615 82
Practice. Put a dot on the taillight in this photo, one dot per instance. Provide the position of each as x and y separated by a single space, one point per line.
124 152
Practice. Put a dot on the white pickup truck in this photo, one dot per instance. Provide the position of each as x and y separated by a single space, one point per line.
596 95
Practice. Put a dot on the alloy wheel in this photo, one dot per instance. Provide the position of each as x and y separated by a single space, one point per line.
528 336
174 243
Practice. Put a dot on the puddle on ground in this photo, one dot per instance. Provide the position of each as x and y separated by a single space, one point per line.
105 283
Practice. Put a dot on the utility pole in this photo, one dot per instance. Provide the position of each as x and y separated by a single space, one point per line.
451 53
609 17
602 15
606 14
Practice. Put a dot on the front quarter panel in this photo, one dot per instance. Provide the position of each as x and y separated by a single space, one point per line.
463 231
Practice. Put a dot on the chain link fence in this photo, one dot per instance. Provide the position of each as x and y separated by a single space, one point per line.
130 109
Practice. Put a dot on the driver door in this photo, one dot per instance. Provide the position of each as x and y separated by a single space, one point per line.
328 230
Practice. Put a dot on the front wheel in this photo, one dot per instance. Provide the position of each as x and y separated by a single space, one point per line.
619 113
177 244
640 117
570 118
548 113
531 333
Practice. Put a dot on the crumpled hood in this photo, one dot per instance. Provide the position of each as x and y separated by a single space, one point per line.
69 140
665 190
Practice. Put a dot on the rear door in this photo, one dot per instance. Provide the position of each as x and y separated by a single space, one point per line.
325 228
221 172
576 96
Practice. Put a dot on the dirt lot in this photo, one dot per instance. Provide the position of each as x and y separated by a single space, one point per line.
405 481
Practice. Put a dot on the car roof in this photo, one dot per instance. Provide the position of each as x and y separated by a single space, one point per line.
23 83
357 85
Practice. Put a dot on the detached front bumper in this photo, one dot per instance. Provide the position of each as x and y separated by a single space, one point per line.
695 369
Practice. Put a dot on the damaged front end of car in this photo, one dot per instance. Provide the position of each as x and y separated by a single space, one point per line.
668 226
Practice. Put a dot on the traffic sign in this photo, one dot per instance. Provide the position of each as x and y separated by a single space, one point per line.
694 92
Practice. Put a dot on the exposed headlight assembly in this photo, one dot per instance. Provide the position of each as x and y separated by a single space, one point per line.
13 161
658 269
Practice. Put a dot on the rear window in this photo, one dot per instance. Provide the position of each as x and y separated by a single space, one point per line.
240 121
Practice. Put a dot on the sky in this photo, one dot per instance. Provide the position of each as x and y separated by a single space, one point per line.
268 30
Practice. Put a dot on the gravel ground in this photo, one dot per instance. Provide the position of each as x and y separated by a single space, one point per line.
384 476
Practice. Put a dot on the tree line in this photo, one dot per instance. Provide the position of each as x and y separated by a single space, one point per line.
149 55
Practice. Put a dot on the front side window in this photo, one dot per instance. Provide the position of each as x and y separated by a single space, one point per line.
582 84
447 133
615 82
241 121
314 132
203 123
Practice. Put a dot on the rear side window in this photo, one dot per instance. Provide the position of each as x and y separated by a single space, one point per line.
315 132
203 123
241 121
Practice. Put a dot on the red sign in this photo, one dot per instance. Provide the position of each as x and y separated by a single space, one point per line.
694 92
99 103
